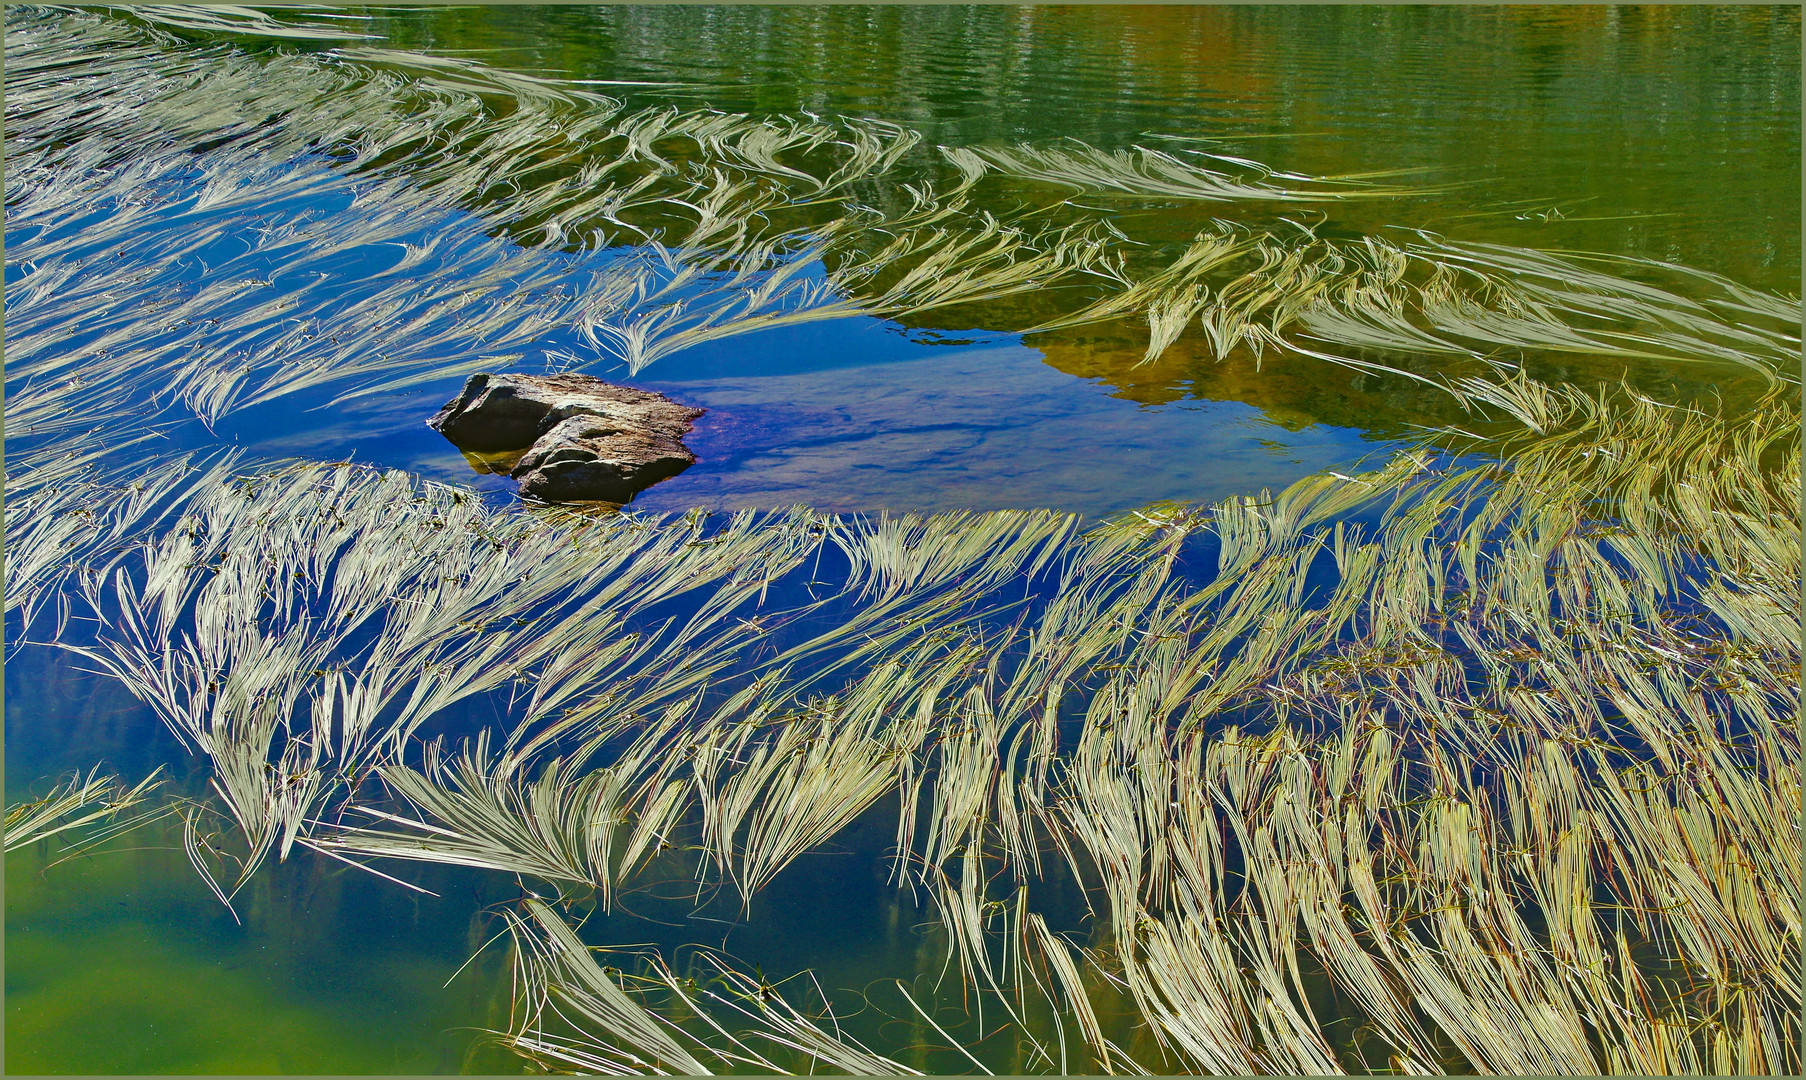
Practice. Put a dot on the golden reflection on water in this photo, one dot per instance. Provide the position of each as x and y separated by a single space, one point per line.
1296 392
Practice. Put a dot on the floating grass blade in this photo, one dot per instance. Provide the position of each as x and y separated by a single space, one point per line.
76 802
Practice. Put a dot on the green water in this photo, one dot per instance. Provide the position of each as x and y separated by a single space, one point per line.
1670 134
1668 131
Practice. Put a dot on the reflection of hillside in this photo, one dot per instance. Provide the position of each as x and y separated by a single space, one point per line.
1297 391
1293 391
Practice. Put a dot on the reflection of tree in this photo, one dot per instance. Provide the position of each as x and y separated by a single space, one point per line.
1351 89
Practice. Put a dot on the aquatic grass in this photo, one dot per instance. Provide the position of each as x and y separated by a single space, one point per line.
290 338
65 510
1146 173
1354 302
673 228
298 626
559 827
560 972
636 308
701 195
1486 987
222 19
1527 614
784 281
320 615
1503 702
560 980
798 790
1497 754
81 801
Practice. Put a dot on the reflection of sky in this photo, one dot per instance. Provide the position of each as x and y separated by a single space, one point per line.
846 417
845 414
979 427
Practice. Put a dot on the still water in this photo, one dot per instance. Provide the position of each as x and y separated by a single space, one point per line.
1670 134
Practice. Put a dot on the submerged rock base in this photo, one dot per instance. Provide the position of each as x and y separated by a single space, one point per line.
578 439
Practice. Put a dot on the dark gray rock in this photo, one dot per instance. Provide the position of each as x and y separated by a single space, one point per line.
498 412
579 439
588 458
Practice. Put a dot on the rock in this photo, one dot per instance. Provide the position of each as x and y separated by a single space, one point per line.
577 438
508 412
589 458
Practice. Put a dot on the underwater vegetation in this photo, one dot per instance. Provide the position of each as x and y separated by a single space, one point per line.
75 802
1481 759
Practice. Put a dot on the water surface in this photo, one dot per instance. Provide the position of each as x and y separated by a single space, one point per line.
1670 134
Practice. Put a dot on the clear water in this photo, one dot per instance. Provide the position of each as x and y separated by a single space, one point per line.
1667 133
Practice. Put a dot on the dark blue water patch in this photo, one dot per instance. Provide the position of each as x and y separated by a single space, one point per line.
852 341
64 717
386 429
389 427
